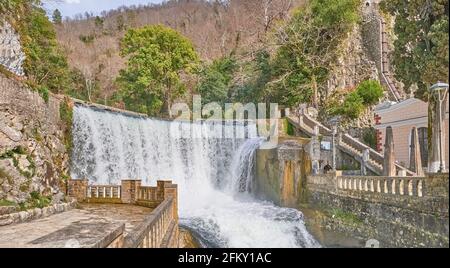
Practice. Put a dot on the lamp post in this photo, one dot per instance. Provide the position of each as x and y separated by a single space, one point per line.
440 91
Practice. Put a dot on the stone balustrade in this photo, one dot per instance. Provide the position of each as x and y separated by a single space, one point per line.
148 193
432 185
158 230
409 186
400 211
104 192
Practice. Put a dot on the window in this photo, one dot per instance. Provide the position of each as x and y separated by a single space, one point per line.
423 142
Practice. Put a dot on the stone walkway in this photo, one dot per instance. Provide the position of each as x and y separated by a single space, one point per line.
89 226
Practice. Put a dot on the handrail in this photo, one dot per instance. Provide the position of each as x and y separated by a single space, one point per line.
138 235
350 141
389 83
148 193
104 191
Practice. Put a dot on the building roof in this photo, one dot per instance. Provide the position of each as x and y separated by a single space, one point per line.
390 106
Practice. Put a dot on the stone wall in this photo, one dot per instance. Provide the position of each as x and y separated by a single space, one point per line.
413 217
359 56
280 173
353 65
33 155
11 54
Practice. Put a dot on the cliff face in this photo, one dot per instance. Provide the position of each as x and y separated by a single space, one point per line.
353 65
360 58
33 155
11 54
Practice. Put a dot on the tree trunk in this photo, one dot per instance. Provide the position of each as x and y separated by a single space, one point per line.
315 92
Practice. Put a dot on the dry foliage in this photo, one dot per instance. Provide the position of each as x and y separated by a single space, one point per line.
217 28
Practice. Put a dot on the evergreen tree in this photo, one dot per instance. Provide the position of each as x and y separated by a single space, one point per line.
215 80
421 49
57 17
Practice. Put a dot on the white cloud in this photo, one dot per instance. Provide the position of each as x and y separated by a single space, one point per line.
72 1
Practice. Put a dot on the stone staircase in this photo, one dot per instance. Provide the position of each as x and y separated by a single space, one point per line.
346 143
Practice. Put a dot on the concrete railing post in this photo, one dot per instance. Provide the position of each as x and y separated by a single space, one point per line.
415 161
389 168
130 191
171 190
365 159
78 189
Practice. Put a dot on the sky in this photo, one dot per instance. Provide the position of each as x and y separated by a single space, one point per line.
69 8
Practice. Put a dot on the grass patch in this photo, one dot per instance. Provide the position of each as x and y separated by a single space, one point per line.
36 200
6 203
10 153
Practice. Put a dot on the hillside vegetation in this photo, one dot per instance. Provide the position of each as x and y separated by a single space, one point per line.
216 29
146 58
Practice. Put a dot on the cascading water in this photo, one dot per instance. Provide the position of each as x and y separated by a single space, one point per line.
214 174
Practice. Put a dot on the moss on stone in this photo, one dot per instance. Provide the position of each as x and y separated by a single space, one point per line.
10 153
36 200
19 150
288 128
344 216
66 116
25 187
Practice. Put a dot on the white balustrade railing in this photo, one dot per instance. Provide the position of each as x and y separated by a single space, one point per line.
406 186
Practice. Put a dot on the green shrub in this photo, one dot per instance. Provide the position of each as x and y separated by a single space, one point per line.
43 91
288 128
36 200
353 106
370 91
370 137
87 39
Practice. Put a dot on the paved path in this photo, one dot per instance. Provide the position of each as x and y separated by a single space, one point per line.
88 226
